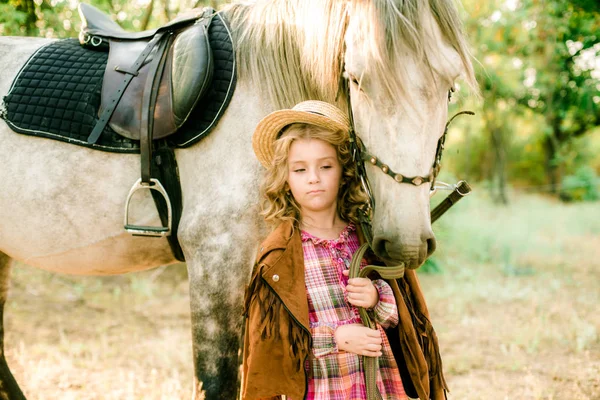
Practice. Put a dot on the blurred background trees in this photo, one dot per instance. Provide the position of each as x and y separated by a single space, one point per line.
538 61
540 79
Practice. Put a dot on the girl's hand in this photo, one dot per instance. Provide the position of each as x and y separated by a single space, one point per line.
361 292
358 339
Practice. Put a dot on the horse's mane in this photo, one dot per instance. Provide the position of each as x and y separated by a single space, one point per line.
296 47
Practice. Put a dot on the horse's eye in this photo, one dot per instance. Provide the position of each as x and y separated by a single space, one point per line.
353 79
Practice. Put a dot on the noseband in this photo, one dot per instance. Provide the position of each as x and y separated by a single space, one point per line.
360 156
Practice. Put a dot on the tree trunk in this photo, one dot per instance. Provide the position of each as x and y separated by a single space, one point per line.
28 7
494 125
147 15
499 147
166 10
552 163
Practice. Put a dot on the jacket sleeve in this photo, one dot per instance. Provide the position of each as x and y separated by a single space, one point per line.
385 311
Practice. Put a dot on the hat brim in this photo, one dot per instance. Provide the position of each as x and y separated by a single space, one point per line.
269 129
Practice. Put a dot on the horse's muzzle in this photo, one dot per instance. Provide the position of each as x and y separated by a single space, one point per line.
413 255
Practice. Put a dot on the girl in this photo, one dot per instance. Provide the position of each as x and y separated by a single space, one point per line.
304 338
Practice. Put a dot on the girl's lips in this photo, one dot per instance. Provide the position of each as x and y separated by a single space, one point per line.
315 191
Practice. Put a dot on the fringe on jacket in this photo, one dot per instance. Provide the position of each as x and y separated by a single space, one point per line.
271 308
426 336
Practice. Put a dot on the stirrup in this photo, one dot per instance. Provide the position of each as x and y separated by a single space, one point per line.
142 230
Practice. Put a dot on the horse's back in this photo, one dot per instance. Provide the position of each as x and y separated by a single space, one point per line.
14 53
62 206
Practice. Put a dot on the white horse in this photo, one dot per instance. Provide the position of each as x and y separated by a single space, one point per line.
61 206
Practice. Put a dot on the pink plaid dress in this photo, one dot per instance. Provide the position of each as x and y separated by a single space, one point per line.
335 374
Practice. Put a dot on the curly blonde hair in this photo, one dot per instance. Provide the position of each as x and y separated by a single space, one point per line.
278 204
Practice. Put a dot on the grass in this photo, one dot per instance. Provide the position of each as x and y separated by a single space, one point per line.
515 304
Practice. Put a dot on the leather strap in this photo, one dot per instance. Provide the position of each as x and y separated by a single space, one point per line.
462 189
148 106
129 74
371 364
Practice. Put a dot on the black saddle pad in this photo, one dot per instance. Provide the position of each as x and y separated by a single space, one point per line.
57 95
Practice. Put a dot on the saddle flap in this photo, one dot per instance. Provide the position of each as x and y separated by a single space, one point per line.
192 70
186 74
126 119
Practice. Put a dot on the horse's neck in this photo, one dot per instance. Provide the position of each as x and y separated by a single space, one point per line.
226 155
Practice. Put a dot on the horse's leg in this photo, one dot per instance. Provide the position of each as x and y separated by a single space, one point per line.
218 270
9 389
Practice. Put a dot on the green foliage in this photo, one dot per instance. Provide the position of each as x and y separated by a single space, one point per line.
12 21
540 84
581 186
59 18
431 266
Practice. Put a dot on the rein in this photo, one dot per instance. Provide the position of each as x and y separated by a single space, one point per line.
360 156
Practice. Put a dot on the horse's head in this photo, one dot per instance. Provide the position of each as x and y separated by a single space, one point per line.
401 57
401 64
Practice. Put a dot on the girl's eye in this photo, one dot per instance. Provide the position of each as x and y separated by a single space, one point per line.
326 166
299 170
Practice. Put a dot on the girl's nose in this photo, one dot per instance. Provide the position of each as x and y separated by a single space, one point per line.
313 177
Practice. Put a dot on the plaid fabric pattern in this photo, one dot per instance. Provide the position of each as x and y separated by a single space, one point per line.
334 374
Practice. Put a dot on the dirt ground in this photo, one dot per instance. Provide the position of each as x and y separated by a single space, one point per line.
125 337
525 328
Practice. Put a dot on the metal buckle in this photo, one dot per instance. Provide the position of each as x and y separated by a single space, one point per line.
153 231
367 188
96 41
84 38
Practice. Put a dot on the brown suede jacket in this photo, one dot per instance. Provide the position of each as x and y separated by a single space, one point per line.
277 338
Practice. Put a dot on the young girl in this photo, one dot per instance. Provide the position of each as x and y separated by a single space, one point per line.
303 336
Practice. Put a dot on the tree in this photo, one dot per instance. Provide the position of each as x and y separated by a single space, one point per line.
566 47
541 56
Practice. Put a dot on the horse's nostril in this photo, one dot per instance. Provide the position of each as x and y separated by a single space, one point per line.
379 248
431 245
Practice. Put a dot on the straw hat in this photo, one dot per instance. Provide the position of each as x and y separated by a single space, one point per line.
312 112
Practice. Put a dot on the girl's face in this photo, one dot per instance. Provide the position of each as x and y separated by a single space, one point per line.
314 175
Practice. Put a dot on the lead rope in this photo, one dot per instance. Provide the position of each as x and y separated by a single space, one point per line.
371 364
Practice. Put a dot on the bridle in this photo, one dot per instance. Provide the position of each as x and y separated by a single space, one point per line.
360 156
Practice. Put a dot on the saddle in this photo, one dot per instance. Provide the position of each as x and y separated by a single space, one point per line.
166 69
152 82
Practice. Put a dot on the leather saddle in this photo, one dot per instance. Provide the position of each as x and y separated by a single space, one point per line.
152 82
153 79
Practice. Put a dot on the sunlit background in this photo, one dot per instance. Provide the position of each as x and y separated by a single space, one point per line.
513 288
